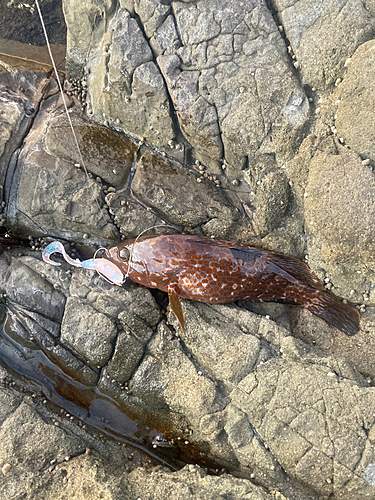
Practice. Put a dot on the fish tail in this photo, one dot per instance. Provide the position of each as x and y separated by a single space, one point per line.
335 312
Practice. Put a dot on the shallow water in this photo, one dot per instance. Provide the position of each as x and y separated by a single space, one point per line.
85 403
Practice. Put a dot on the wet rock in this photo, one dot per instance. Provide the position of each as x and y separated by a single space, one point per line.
25 287
14 123
46 454
127 355
318 36
21 89
49 195
79 319
172 190
340 216
355 122
106 153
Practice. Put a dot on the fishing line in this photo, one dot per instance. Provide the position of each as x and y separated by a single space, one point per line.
91 183
135 241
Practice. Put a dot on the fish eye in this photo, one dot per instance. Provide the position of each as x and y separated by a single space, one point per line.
124 254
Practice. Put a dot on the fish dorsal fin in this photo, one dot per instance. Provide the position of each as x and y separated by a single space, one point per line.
296 268
174 302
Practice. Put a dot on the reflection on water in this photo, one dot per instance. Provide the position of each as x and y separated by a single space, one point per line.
85 403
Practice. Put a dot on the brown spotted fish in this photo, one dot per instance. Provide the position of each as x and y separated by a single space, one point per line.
217 272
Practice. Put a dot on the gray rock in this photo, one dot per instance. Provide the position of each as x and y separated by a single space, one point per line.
191 483
214 337
318 35
358 351
127 355
49 195
82 34
340 216
79 319
299 404
29 443
152 13
271 201
125 86
355 122
173 191
232 65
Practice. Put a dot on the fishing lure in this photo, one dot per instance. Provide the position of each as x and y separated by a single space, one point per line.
217 272
103 266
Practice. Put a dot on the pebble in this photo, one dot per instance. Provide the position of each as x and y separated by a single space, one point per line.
366 162
5 469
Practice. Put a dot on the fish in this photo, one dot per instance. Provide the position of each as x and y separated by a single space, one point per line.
218 272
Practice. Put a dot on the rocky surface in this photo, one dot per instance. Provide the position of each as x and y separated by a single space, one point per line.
323 36
240 136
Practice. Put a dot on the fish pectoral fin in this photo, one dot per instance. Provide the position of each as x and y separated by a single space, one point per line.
174 302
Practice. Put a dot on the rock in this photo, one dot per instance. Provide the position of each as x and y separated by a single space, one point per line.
20 97
309 425
14 124
79 319
318 36
224 357
271 201
340 214
41 449
358 351
28 445
221 73
355 123
82 35
173 191
106 153
127 355
223 78
124 84
191 483
49 195
237 390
